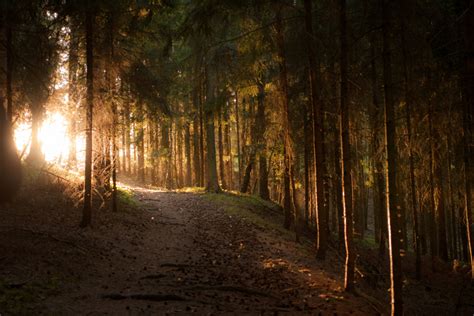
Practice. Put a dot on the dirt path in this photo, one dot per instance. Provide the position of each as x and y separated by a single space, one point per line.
199 259
184 254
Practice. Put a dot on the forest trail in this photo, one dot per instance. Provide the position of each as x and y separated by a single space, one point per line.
200 259
176 253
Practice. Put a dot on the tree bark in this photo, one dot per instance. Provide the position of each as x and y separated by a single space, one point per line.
212 178
392 191
87 211
346 154
318 137
287 143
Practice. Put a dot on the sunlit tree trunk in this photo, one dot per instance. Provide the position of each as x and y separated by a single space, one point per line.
87 211
392 190
432 215
140 143
468 128
111 88
196 137
283 77
237 129
346 154
72 90
187 150
263 191
220 141
128 156
228 147
318 137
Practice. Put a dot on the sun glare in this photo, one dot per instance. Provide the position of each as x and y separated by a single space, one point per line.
53 136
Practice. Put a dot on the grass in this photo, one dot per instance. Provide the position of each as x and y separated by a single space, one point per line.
126 199
15 298
264 214
191 190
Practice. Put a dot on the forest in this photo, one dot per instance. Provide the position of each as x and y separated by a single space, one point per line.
300 157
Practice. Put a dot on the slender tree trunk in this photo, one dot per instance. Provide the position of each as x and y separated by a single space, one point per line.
36 155
392 191
87 211
220 140
442 238
318 136
239 152
72 92
9 63
201 137
307 162
128 156
452 208
228 148
346 154
413 199
283 77
432 217
468 127
187 150
263 191
196 138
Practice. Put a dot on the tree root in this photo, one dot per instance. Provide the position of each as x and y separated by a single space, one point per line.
145 297
230 288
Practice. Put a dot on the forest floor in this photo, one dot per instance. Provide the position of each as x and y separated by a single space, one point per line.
165 253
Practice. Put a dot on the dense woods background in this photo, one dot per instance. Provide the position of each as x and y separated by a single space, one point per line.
355 116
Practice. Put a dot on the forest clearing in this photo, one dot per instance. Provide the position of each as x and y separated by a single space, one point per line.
236 157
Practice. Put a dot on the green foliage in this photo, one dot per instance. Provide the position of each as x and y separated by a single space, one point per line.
126 200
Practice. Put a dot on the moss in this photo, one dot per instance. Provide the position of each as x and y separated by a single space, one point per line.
367 242
191 190
264 214
126 199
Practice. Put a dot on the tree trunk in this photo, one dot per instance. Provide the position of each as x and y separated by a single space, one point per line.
413 199
432 217
239 153
392 192
287 143
187 150
262 148
196 138
346 154
228 147
220 141
318 137
9 64
87 211
468 122
212 178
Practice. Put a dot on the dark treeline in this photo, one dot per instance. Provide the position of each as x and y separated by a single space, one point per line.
355 116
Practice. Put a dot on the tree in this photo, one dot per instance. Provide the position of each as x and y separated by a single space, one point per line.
89 31
346 154
393 205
